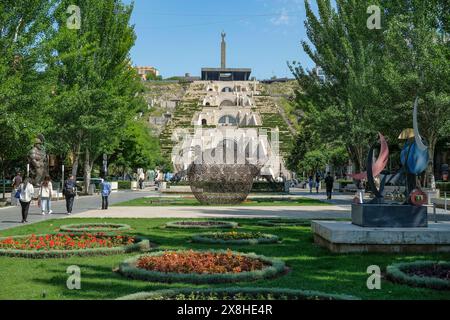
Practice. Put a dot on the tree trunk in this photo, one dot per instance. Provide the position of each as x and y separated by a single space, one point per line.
76 160
4 182
87 171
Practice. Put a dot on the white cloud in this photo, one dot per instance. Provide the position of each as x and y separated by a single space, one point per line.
282 19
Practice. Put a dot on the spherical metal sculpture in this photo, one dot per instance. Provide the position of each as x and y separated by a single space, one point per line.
220 178
221 183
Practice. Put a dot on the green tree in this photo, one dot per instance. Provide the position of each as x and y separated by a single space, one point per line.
373 76
138 148
98 90
24 82
416 60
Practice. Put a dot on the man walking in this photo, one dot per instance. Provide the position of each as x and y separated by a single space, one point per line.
69 192
105 188
329 181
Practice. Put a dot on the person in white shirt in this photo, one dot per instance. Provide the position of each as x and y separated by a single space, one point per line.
26 195
45 196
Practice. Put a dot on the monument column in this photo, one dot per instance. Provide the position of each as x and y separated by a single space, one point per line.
223 61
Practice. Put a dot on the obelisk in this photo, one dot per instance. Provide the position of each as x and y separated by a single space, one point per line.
223 61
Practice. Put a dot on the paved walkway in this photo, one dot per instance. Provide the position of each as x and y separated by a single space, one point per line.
88 207
10 217
307 212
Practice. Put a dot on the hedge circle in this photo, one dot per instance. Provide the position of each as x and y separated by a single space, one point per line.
210 238
140 245
248 293
401 273
284 223
201 224
129 269
94 227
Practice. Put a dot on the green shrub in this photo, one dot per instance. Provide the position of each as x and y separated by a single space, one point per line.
236 294
124 185
275 267
199 225
235 238
399 273
263 186
94 227
443 187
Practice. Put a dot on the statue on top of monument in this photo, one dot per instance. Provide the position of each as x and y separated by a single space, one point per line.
223 34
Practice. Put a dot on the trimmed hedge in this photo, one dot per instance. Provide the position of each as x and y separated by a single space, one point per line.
396 273
263 186
443 187
284 223
193 225
105 227
142 245
128 268
124 185
265 239
236 294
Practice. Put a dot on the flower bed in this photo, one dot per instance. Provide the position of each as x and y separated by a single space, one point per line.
94 227
285 223
429 274
234 237
201 267
202 224
64 245
236 294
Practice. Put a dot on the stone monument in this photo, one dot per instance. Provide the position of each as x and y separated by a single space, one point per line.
223 51
37 158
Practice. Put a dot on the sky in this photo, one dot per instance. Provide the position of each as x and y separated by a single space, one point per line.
182 36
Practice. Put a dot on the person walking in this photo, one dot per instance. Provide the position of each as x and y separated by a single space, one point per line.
317 182
70 191
141 180
105 188
45 196
26 190
15 188
310 183
329 181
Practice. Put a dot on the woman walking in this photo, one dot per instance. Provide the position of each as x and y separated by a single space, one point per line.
26 195
45 196
310 183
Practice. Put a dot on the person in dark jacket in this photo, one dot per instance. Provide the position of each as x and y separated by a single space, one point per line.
69 192
329 181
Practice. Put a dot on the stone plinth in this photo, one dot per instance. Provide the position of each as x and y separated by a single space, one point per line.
344 237
389 216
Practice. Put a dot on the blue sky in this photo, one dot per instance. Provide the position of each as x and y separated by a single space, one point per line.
182 36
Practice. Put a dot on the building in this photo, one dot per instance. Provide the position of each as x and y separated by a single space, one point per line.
223 73
145 71
228 124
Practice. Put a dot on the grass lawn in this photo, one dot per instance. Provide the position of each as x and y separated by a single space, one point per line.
191 201
312 267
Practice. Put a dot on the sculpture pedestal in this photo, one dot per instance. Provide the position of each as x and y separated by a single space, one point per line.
389 216
345 237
